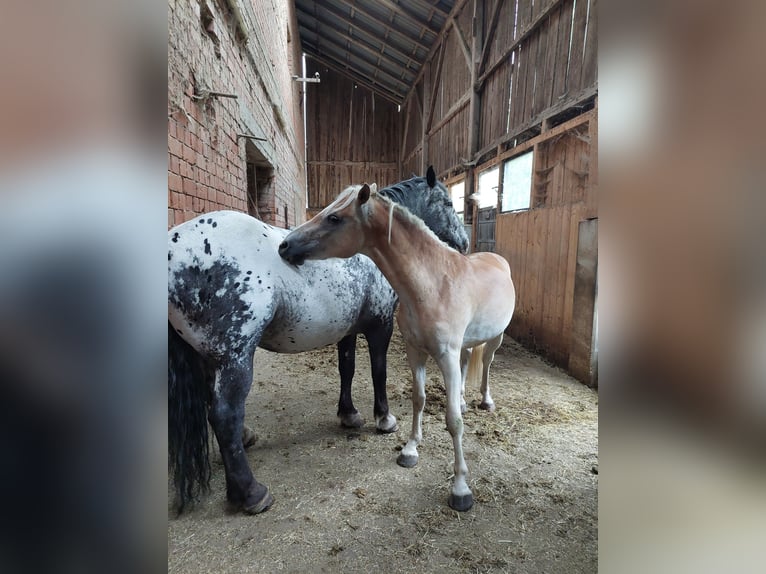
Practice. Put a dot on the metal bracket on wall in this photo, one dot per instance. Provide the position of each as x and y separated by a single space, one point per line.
248 136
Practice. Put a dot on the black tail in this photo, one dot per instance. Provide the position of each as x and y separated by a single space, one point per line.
188 400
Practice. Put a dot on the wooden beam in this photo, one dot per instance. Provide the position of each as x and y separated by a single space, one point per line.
454 12
351 56
474 113
456 107
435 88
463 44
404 137
425 115
358 27
343 70
401 10
358 40
490 34
344 163
383 24
522 36
537 140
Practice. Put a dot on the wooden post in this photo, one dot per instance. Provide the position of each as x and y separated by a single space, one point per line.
474 107
424 117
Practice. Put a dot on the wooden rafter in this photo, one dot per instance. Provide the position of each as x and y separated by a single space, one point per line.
351 56
463 44
435 87
359 40
453 13
355 26
383 24
490 34
400 9
344 70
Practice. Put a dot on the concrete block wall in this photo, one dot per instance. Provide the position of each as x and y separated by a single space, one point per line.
251 49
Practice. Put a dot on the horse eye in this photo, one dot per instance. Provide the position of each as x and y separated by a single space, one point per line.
332 218
448 203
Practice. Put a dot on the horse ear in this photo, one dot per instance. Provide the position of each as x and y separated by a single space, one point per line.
431 176
374 187
364 194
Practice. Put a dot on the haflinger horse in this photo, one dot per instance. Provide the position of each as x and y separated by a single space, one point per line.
453 307
230 292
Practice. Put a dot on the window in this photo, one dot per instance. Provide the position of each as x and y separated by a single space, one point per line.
517 182
457 195
488 182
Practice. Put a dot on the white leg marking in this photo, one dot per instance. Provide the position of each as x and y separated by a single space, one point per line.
417 361
450 367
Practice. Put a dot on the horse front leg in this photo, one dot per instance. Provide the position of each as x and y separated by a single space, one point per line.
226 416
417 360
378 339
349 416
461 498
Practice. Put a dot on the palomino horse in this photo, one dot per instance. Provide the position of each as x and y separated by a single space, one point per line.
450 302
230 292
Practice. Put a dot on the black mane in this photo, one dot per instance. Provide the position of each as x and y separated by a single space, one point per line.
433 205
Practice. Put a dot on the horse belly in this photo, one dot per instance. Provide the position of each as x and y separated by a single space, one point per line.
305 335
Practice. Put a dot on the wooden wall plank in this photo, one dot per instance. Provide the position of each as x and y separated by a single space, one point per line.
574 76
562 51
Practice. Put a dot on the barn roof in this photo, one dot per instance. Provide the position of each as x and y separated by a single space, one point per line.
381 44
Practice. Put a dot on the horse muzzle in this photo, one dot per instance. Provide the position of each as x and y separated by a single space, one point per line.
295 252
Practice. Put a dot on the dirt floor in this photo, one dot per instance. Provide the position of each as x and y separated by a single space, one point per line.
342 504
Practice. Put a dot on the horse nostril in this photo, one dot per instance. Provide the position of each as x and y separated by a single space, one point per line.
283 246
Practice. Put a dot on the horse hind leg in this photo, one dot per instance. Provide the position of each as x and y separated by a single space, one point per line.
465 356
226 416
417 360
378 340
347 413
490 347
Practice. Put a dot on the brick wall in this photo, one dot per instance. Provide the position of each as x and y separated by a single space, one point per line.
251 52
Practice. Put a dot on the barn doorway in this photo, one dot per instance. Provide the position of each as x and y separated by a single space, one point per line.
260 184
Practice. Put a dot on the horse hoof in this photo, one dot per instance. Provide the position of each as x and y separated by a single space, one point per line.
407 460
248 437
489 407
387 424
461 503
351 421
263 503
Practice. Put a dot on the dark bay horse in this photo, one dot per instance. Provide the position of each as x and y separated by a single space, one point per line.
230 292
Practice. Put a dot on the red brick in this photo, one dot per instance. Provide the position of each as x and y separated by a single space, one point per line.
189 154
174 146
186 170
174 182
174 164
189 186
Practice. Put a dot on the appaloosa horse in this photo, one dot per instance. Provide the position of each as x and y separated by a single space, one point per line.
452 306
230 292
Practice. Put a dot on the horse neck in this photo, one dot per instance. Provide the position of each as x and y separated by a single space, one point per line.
401 260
